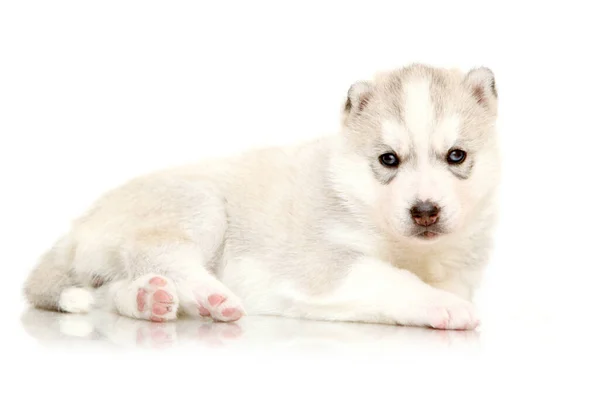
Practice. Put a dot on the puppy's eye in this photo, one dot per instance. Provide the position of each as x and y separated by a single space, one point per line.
389 160
456 156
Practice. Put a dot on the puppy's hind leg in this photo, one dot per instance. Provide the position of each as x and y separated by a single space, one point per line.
155 261
166 272
168 278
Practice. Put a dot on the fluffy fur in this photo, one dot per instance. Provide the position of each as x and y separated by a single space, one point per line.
320 230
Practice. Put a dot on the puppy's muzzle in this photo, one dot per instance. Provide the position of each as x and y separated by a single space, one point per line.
425 213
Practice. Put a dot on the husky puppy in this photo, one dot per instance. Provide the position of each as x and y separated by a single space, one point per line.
389 221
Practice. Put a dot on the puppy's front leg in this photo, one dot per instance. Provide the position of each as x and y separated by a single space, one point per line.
374 291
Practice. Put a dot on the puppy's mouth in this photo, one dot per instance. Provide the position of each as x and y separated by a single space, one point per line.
428 235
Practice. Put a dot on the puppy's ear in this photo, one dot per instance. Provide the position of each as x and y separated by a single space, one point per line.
482 84
359 96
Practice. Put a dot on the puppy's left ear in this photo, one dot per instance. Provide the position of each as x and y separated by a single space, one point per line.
482 84
359 96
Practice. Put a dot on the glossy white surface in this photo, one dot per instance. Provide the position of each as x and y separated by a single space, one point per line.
520 355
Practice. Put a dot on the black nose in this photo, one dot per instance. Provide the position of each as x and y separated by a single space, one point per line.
425 213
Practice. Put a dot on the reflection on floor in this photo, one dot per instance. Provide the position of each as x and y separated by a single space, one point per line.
107 329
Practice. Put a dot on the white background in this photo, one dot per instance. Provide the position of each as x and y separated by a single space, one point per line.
94 93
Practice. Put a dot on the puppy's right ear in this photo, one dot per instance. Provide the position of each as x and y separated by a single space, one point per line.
359 96
482 84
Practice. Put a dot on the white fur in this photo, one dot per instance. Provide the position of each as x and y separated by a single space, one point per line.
394 134
350 170
76 300
418 114
302 231
391 296
445 133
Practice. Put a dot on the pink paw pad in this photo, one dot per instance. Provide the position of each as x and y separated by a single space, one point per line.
162 297
158 281
215 299
141 299
232 314
203 311
160 309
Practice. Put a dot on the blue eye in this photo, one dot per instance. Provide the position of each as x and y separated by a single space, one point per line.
456 156
389 160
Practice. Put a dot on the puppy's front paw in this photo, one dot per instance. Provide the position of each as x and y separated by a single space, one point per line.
451 312
441 310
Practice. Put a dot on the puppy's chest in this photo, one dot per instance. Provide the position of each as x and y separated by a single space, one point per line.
430 266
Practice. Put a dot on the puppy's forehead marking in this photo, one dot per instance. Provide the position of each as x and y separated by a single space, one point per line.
445 133
419 113
394 134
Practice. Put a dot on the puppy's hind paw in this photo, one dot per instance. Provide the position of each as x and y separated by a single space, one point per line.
218 303
156 299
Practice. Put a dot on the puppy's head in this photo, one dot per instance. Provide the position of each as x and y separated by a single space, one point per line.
420 148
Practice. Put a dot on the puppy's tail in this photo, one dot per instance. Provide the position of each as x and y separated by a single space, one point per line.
52 284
